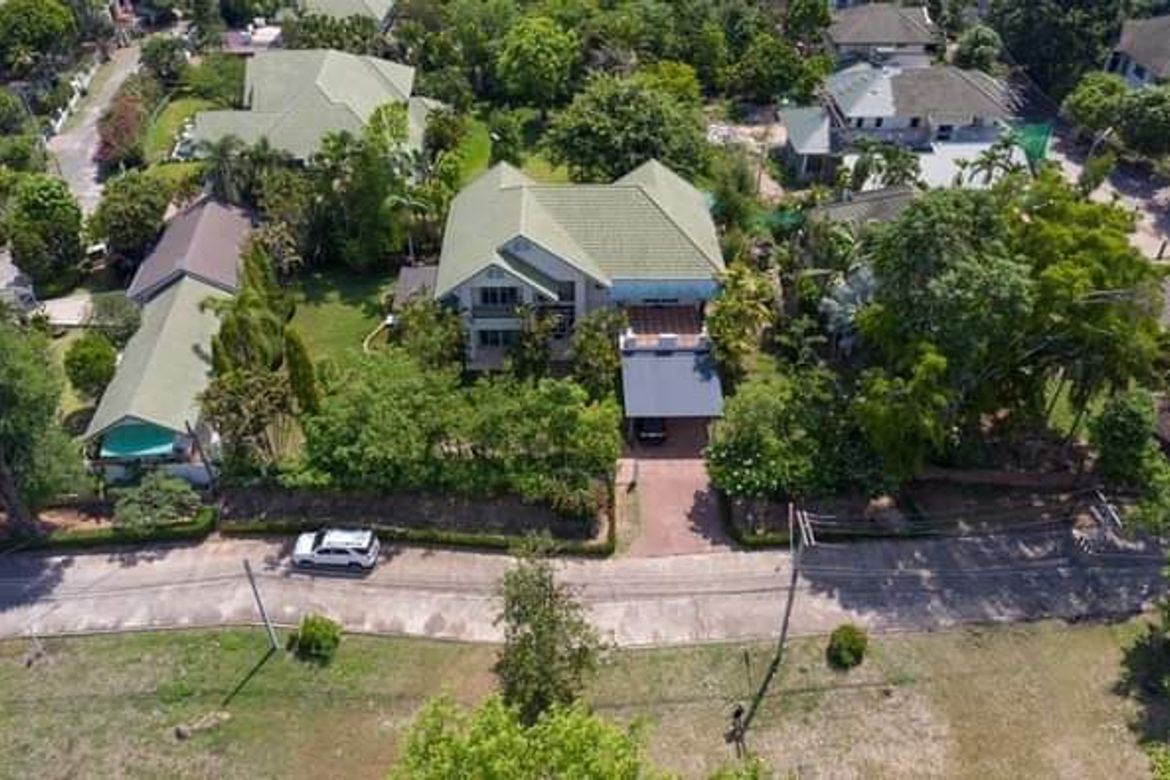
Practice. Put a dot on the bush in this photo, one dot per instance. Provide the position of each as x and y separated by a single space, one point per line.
316 640
847 646
158 500
121 128
218 77
164 58
115 315
90 363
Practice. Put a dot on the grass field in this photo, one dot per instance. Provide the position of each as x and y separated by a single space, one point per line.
336 309
1034 701
160 136
476 150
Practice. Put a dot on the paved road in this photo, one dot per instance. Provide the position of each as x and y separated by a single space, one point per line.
74 148
719 596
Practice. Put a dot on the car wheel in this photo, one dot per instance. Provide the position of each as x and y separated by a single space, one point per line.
305 564
355 565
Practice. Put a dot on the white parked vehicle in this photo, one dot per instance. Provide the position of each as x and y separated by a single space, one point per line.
346 549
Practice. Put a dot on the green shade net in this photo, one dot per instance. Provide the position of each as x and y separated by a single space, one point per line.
1033 139
137 441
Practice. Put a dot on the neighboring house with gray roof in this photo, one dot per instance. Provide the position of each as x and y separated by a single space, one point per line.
203 242
864 208
295 98
1142 55
149 411
645 243
914 107
381 11
888 32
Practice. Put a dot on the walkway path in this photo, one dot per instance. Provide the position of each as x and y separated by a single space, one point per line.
74 148
719 596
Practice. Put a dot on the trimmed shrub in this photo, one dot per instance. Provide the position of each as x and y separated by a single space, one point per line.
316 640
90 363
157 501
847 646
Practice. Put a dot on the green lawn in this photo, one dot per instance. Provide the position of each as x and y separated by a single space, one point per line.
538 167
476 150
160 136
337 309
1026 701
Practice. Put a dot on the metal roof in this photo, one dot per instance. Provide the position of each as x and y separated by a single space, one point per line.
671 384
862 208
166 364
808 129
414 280
342 9
203 241
649 224
940 92
296 97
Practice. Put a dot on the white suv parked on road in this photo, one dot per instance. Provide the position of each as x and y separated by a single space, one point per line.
354 549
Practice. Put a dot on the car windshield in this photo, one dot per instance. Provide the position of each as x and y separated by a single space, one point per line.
318 538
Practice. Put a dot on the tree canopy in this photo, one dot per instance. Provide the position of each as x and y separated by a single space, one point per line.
43 223
33 30
536 61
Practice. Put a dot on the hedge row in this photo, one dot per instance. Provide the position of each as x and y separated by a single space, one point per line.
197 528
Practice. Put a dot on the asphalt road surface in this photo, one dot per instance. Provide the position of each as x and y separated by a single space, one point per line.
719 596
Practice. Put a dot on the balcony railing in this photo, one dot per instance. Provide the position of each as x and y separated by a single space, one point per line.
665 342
494 311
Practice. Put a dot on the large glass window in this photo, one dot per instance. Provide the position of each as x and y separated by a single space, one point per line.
498 338
499 296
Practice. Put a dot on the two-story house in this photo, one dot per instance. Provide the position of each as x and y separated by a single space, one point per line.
645 243
930 110
885 32
1142 55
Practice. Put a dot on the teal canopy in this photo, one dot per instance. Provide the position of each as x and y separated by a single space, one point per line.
137 440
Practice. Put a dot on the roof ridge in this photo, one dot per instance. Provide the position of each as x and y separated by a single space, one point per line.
670 217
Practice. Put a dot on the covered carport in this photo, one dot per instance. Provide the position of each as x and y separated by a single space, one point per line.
681 388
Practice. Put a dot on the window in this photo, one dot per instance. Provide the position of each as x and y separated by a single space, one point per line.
497 338
877 123
566 292
915 121
499 296
859 122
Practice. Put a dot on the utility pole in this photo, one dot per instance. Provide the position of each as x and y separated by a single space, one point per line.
741 721
272 642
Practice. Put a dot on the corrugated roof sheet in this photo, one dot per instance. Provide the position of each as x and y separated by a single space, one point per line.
675 384
1147 42
296 97
650 224
203 241
167 363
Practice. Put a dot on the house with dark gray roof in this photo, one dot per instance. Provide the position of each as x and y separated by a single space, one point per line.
202 242
381 11
887 32
1142 55
645 243
864 208
295 98
920 108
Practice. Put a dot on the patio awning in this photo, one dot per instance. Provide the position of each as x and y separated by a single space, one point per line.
671 384
137 440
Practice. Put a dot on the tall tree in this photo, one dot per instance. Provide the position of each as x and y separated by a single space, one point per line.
537 60
431 333
36 457
550 648
129 217
615 125
33 32
531 355
597 361
1097 102
43 223
737 319
1057 40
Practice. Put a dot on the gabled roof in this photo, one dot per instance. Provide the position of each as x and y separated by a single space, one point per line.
649 224
877 24
940 91
203 241
295 97
808 129
862 208
1147 42
341 9
166 364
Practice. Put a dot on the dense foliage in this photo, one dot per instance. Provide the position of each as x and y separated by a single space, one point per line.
43 223
33 32
129 217
115 316
493 741
89 363
316 639
122 127
389 425
157 500
36 457
614 125
1139 118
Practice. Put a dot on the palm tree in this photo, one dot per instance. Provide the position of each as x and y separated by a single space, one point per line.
997 159
899 166
225 172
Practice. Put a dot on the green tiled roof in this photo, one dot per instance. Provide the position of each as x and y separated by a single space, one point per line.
296 97
650 224
166 365
375 9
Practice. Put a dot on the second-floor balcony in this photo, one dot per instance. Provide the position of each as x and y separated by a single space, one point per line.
665 329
